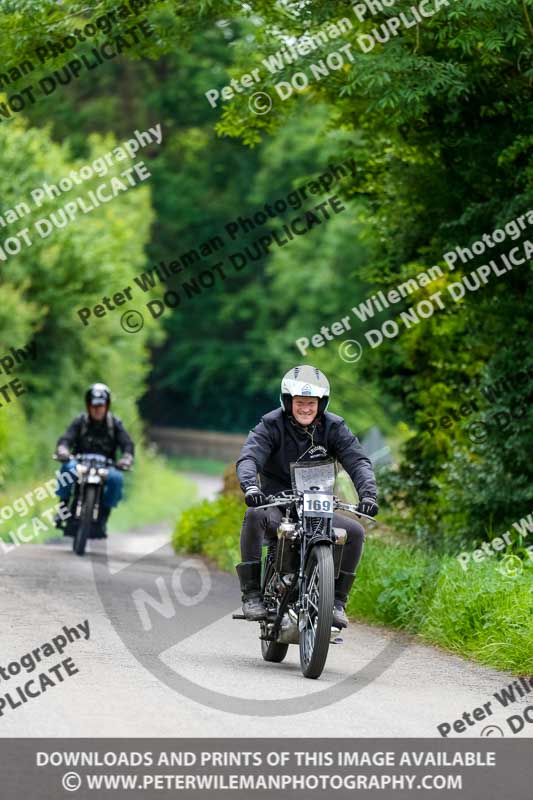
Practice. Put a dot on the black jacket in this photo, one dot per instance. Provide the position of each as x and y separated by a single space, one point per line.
278 440
84 435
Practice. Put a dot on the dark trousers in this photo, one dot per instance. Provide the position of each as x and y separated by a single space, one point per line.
260 524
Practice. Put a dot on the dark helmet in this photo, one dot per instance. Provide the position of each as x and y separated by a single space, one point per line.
304 381
98 395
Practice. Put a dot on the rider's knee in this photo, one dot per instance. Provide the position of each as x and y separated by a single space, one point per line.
115 477
254 518
355 531
68 466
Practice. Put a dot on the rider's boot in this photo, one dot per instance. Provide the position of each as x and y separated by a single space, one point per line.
59 522
249 573
343 584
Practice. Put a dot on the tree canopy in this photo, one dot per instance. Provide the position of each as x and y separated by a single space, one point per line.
438 123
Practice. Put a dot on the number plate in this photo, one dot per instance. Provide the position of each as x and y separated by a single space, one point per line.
317 504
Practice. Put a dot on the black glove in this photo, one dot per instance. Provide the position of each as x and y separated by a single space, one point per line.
254 497
368 506
125 461
63 453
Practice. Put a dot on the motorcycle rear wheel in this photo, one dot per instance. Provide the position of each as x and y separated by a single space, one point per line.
316 632
271 651
84 526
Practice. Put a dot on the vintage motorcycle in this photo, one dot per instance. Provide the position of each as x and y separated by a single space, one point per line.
300 568
85 521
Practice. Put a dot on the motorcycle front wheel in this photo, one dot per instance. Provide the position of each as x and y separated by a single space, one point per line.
316 616
84 526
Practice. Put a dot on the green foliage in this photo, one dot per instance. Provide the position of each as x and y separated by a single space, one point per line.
212 529
47 282
438 121
153 493
484 614
480 614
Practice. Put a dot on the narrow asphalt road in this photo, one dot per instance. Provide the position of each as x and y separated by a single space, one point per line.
164 657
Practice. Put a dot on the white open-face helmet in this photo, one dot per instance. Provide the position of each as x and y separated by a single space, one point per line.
304 381
98 394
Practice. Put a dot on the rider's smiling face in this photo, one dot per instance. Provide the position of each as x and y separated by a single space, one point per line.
304 409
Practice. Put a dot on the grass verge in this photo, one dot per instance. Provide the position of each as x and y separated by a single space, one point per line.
481 614
154 492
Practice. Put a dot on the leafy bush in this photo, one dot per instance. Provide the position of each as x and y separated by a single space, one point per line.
212 528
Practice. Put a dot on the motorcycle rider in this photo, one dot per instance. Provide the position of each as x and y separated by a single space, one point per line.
97 431
302 429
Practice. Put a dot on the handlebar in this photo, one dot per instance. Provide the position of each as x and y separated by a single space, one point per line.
352 509
286 499
280 501
109 461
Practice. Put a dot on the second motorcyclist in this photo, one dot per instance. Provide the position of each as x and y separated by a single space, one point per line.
101 432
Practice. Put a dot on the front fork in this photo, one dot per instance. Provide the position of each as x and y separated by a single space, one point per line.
81 498
306 547
302 608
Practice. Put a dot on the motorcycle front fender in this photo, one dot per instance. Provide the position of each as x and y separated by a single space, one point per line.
320 539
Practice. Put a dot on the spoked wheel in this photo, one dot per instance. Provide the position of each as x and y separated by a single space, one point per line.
271 651
317 611
84 526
